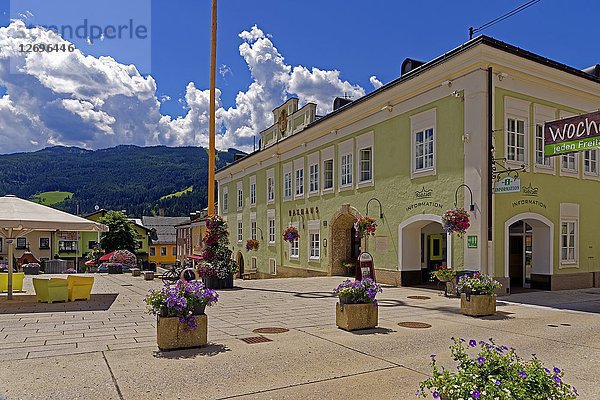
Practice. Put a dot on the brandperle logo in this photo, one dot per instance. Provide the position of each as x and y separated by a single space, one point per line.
424 193
530 190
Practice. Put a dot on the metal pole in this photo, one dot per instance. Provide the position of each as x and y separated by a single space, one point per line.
211 138
10 242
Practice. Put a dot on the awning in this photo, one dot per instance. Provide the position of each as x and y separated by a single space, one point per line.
106 257
199 258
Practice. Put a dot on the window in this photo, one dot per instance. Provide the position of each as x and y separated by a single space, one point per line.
174 251
240 199
253 229
287 185
253 264
539 147
271 229
568 162
152 251
139 244
21 243
346 178
515 146
272 266
240 232
67 246
45 243
315 245
91 244
313 178
567 242
253 191
327 174
366 159
295 248
225 200
163 251
300 182
590 162
424 150
270 189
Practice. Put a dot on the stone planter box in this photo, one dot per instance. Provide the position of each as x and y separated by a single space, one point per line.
172 334
477 305
351 317
135 272
148 275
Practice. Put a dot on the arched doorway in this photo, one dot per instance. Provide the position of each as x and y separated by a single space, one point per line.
528 250
423 246
344 245
240 262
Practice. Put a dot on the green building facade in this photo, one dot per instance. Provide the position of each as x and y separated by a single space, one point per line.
438 136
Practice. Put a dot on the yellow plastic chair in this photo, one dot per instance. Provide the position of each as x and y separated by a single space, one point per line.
17 281
51 290
80 287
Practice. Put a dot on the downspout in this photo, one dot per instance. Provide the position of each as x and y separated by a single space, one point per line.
490 130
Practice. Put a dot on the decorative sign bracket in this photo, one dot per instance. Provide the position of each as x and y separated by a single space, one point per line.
499 168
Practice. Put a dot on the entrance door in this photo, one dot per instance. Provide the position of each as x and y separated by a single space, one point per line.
240 262
516 260
354 245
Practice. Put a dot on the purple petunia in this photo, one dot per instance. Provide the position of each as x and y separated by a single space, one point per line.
523 374
476 394
436 394
481 360
556 379
556 370
472 343
497 382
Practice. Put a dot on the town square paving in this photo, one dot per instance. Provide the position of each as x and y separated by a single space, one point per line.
106 348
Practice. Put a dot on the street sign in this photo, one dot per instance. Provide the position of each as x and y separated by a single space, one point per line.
472 241
507 185
573 134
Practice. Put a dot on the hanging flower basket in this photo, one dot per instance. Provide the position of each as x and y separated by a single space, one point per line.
456 220
443 274
252 244
290 234
364 227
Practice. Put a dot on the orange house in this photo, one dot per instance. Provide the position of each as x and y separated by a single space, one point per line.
163 247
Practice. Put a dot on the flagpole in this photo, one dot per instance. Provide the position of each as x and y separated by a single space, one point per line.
212 123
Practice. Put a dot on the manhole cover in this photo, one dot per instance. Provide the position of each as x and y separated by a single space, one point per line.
255 339
270 330
419 297
414 325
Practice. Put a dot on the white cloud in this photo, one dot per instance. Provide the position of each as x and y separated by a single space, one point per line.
375 82
74 99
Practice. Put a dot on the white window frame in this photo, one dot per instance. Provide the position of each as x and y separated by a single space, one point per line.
345 153
326 156
314 228
253 226
240 229
571 172
294 247
517 109
574 247
240 196
253 263
225 190
288 181
509 133
590 173
365 142
299 178
422 122
313 178
253 191
542 114
569 213
271 223
273 262
270 186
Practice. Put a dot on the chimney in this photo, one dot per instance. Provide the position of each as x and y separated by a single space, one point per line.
340 102
593 70
409 64
238 156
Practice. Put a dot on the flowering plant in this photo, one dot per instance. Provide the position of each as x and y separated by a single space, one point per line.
123 257
290 234
252 244
216 256
494 372
443 274
183 300
365 226
456 220
358 291
477 284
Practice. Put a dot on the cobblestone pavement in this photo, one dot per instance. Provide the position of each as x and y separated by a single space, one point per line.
106 348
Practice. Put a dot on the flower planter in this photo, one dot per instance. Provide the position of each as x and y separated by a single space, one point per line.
172 334
352 317
477 305
213 282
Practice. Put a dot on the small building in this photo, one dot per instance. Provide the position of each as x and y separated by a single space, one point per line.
163 243
189 237
446 133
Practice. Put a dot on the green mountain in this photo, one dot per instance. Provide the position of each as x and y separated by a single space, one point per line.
140 180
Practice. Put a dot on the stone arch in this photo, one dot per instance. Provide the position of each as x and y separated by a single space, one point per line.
409 241
340 239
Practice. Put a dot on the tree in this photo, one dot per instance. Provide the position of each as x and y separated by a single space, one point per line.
121 234
216 256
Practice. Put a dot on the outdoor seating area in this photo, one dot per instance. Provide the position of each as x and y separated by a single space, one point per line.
17 280
58 289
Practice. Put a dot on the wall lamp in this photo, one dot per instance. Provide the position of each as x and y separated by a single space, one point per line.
447 83
471 206
502 76
387 107
380 209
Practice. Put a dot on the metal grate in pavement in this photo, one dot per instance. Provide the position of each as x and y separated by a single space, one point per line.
270 330
255 339
414 325
419 297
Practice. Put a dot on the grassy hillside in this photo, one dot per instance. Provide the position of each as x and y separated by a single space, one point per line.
140 180
51 198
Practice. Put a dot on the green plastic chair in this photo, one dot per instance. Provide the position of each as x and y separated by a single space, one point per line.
17 281
51 290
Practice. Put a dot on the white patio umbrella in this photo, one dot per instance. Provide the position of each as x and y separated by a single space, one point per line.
20 217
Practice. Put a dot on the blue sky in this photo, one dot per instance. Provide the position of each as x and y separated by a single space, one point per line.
303 43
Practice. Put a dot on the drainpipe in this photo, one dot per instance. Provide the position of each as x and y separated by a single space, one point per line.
490 158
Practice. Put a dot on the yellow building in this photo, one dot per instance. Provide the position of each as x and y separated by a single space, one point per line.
163 248
189 236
